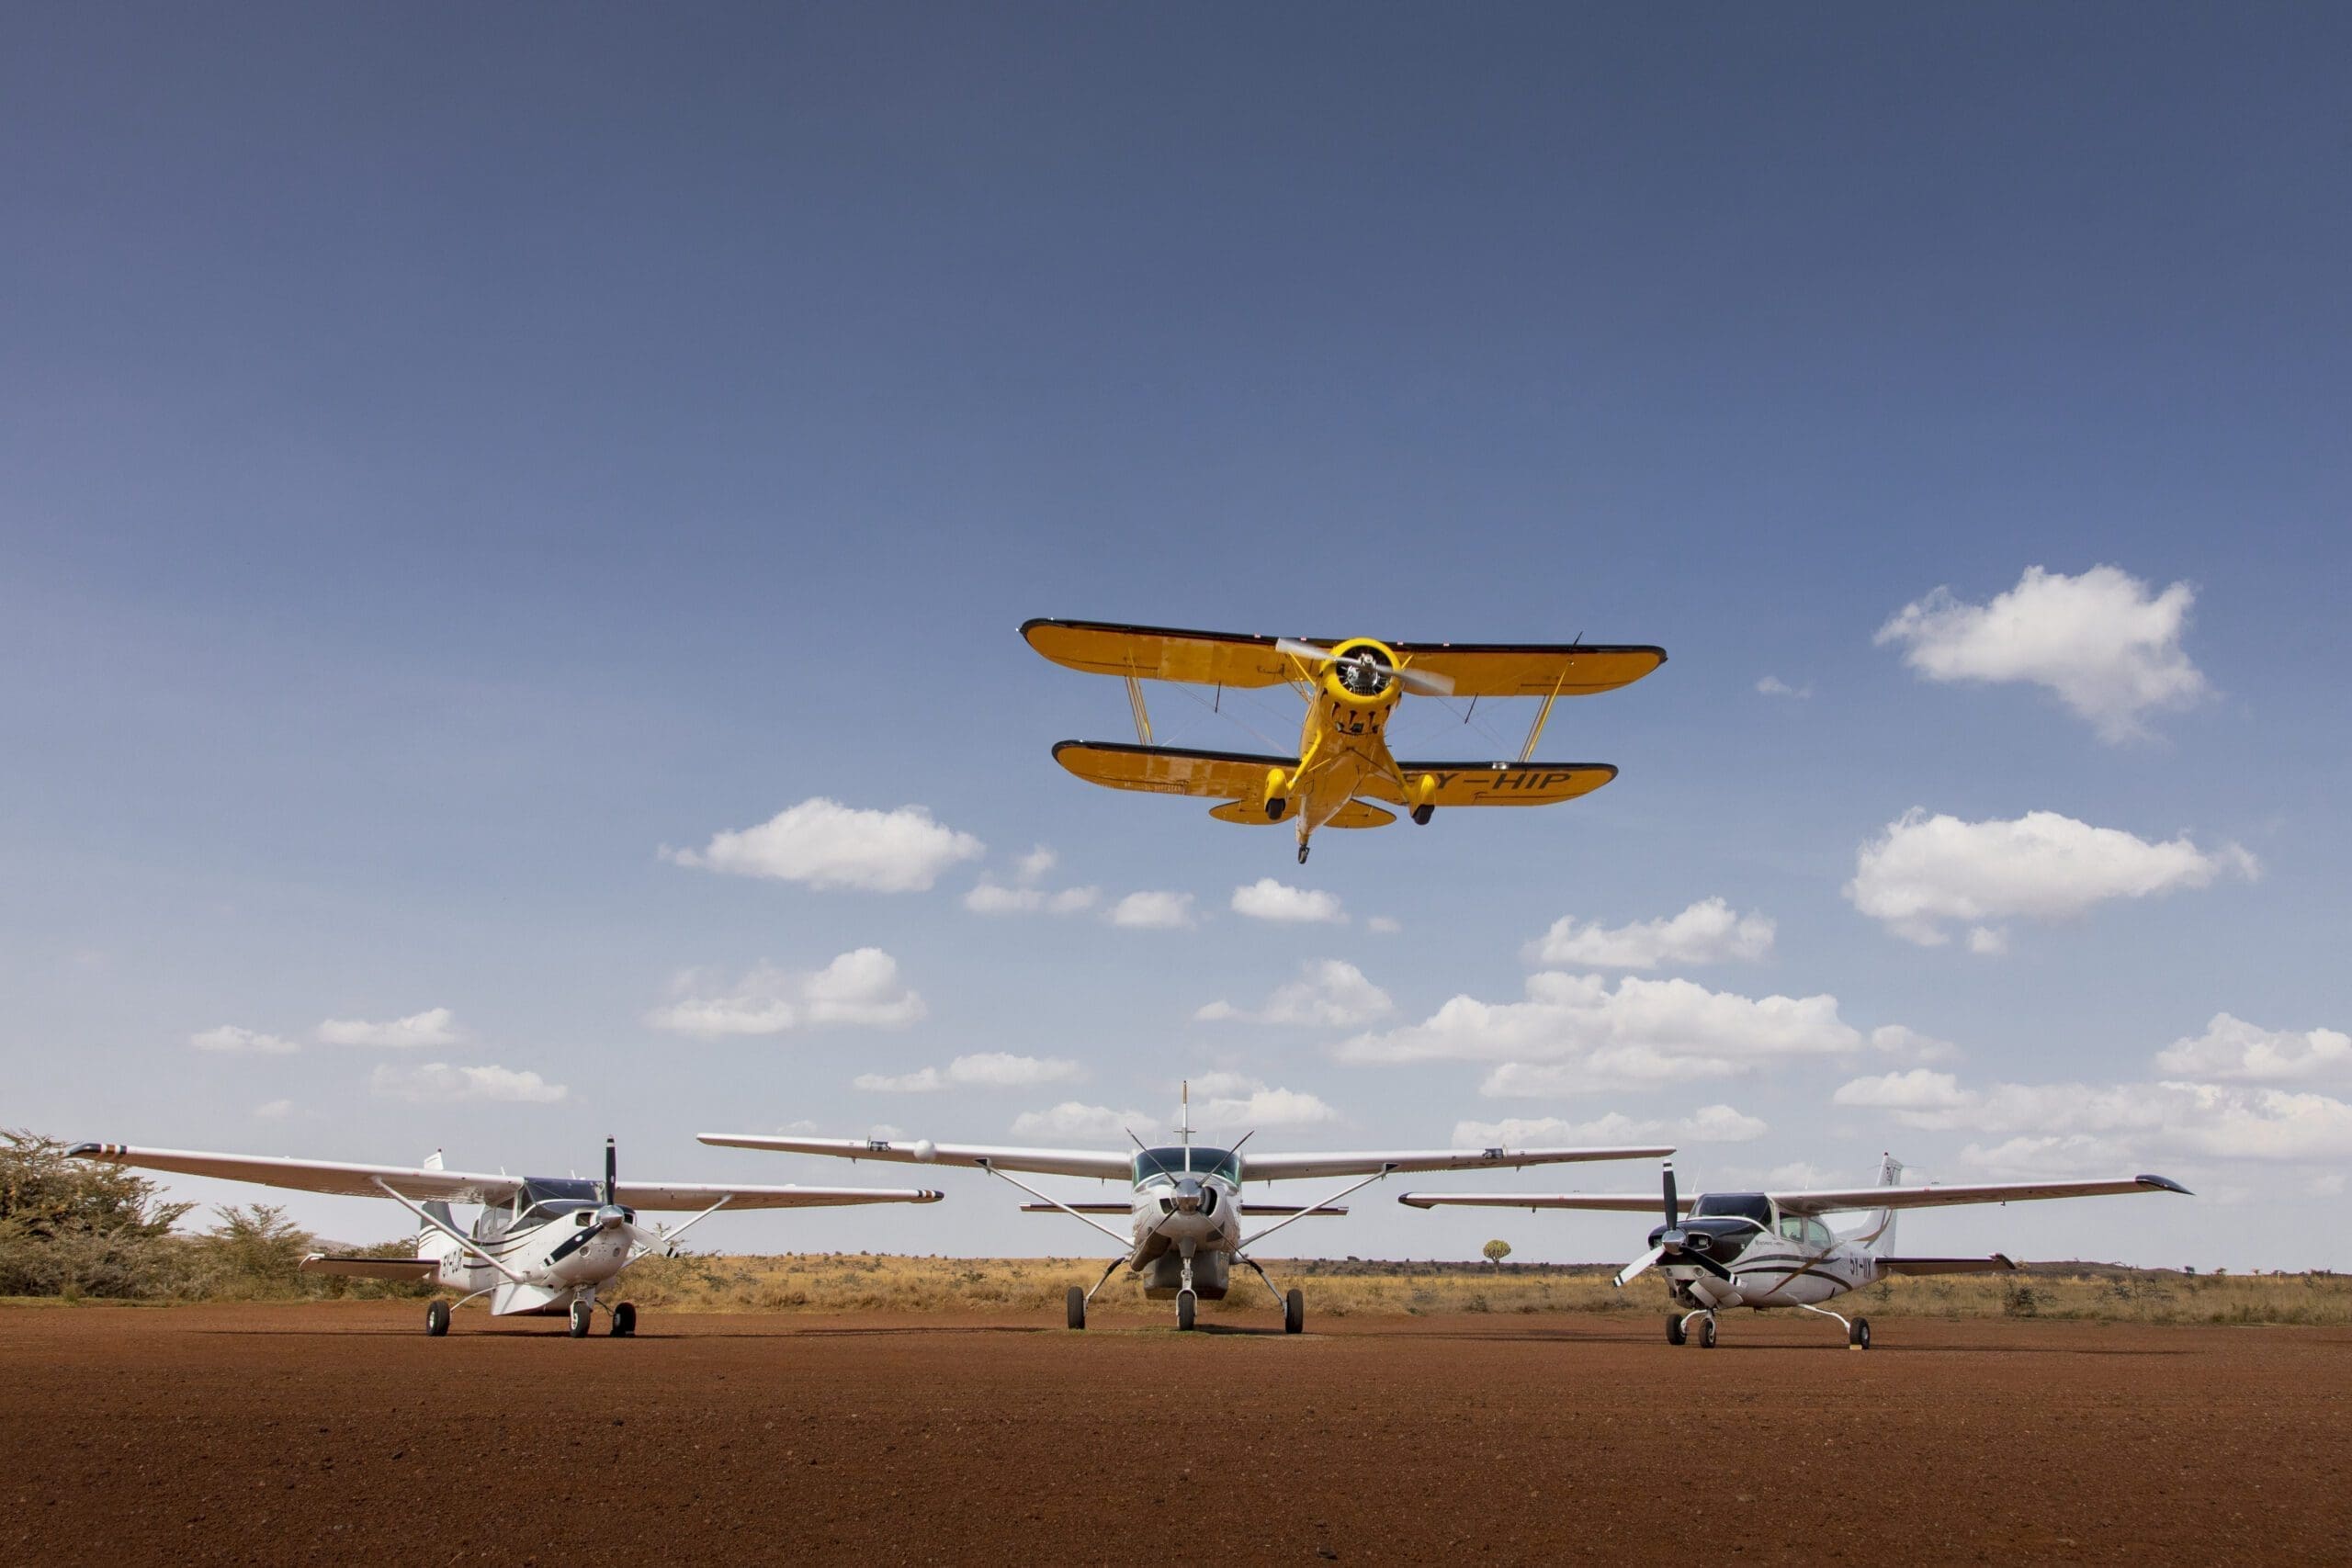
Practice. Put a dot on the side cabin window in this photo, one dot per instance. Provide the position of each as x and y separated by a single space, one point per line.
1805 1230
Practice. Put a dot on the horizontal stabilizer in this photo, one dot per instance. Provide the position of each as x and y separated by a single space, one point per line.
403 1269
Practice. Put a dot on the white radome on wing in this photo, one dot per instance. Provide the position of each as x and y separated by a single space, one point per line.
926 1150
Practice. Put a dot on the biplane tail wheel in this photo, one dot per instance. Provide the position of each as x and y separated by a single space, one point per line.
1076 1307
582 1313
437 1318
1275 807
625 1321
1186 1304
1421 814
1302 854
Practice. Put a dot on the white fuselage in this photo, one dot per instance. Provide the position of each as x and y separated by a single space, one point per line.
555 1262
1776 1271
1181 1216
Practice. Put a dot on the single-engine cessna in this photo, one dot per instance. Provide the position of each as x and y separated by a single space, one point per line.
1770 1249
1185 1209
1343 769
541 1245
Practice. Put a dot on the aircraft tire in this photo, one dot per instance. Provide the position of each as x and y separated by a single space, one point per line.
1675 1333
1302 854
1186 1305
582 1314
625 1321
1858 1337
1076 1307
436 1318
1421 814
1294 1313
1707 1332
1275 807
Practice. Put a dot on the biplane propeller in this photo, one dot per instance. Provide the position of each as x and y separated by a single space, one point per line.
1344 776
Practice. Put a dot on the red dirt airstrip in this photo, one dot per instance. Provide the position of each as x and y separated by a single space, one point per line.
339 1432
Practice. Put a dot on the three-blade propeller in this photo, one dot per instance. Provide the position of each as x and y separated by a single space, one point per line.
1428 682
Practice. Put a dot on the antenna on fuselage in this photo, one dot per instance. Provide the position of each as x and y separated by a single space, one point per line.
1186 1117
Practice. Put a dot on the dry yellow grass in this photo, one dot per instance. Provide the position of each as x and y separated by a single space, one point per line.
849 1282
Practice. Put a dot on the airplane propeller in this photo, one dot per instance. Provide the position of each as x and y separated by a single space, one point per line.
1672 1242
610 1215
1429 682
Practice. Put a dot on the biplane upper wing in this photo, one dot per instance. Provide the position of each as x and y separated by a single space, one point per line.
1220 658
1170 770
1496 784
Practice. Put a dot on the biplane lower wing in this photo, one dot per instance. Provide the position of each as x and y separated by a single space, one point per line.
1496 784
1354 814
1171 770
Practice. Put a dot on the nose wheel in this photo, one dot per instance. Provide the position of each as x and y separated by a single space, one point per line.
582 1313
1187 1305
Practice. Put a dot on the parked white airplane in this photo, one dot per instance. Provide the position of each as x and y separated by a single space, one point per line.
1770 1249
541 1245
1185 1209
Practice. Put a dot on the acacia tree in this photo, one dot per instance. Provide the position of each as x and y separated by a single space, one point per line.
1496 1251
68 1227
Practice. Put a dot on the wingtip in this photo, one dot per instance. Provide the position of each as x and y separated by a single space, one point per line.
2163 1184
85 1150
1417 1200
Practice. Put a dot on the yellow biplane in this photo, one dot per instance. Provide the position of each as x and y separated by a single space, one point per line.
1343 769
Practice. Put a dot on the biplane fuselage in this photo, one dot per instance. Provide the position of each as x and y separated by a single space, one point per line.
1344 775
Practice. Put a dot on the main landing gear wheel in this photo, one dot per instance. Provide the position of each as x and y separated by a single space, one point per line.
1675 1333
1421 814
1294 1312
1707 1333
582 1313
1858 1337
1186 1305
1275 807
625 1321
437 1318
1076 1307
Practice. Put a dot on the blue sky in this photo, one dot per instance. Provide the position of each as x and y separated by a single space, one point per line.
448 460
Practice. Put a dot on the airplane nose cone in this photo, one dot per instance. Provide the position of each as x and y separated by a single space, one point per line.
1188 1197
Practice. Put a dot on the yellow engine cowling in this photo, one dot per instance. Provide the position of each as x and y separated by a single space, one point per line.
1361 674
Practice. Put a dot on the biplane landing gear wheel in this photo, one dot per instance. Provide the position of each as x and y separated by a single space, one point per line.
1675 1333
1421 814
1858 1337
1707 1332
1186 1305
1076 1307
1294 1312
1275 807
582 1313
437 1318
625 1321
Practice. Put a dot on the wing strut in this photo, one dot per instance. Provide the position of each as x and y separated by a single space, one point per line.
1135 702
449 1231
990 1165
1380 1175
1535 731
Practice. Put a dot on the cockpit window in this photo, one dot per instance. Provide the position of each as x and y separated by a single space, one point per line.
1735 1206
1153 1164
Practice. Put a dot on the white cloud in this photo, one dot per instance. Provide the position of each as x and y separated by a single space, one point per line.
439 1083
432 1027
229 1039
2102 641
1924 872
2233 1050
1328 992
1574 1034
1706 933
1072 1118
1224 1102
1383 925
1034 865
1708 1125
2120 1129
859 988
822 843
274 1110
1900 1040
984 1069
1918 1089
1153 911
1773 686
993 899
1267 899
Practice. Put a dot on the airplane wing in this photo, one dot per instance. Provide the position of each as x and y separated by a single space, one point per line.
1128 1207
1110 1166
1997 1264
1492 783
1171 770
1287 1167
673 1195
412 1182
1220 658
398 1268
1827 1200
1609 1202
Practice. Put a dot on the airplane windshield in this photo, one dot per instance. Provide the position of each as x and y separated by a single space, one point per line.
1735 1206
1154 1163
